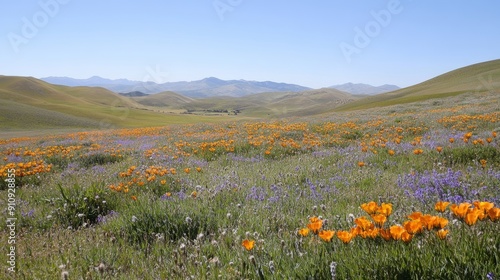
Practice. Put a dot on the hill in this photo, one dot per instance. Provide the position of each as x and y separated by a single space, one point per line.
167 99
30 104
365 89
208 87
275 104
476 78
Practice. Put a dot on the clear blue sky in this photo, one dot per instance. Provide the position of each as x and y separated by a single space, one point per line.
311 43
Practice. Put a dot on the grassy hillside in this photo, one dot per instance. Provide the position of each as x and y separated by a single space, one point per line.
276 104
30 104
475 78
167 99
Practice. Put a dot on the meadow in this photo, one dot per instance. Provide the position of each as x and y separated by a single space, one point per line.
403 192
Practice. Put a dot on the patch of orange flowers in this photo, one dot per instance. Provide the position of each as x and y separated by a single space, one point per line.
417 222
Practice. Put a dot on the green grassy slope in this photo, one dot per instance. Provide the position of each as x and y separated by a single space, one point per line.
277 104
475 78
167 99
30 104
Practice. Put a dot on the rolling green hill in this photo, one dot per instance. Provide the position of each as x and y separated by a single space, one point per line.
166 99
476 78
276 104
30 104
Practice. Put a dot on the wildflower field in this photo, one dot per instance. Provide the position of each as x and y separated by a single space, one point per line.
403 192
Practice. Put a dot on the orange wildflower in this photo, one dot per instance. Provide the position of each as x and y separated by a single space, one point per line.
344 236
385 234
413 227
442 233
379 219
304 232
194 194
391 152
494 214
441 206
315 224
361 164
134 198
415 216
248 244
418 151
461 209
440 222
406 237
370 207
385 209
364 223
428 221
451 140
472 216
326 235
439 149
396 232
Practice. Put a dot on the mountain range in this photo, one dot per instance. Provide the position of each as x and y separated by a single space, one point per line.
208 87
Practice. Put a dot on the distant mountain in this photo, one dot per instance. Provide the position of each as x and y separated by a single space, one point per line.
364 89
133 94
94 81
208 87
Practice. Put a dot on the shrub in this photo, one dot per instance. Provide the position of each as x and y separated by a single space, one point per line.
150 222
79 206
466 154
98 159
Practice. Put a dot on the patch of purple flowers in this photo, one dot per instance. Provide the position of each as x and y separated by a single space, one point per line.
428 187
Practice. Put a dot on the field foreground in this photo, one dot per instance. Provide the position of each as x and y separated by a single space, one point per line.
403 192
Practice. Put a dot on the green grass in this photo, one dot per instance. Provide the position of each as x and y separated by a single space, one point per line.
477 78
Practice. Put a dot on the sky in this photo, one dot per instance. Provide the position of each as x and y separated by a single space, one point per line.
310 43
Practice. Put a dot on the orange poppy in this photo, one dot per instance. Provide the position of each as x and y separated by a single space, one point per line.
406 237
441 206
379 219
415 215
461 209
315 224
414 226
472 216
304 232
326 235
440 222
370 207
396 232
439 149
428 221
494 214
345 236
442 233
385 209
364 223
385 234
483 205
248 244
